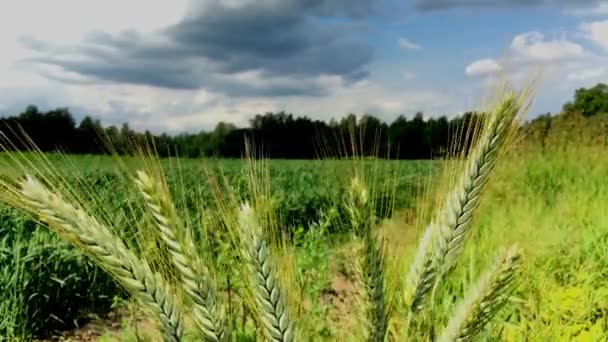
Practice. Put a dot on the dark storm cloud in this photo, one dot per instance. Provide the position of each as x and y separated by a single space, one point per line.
429 5
299 39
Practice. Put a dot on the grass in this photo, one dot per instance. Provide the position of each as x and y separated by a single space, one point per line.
563 198
45 285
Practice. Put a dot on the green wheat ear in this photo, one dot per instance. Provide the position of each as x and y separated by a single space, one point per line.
75 225
268 295
444 237
485 298
372 260
184 256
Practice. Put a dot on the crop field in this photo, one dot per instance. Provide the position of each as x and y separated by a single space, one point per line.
47 285
548 203
551 204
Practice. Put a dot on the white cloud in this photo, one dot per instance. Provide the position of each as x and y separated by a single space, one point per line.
363 97
387 102
597 32
408 75
482 67
587 74
67 22
553 58
598 10
533 47
177 110
64 20
407 44
170 110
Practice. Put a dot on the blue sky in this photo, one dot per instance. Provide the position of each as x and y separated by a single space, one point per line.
185 65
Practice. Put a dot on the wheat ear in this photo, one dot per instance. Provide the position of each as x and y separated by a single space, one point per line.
372 265
485 299
183 254
421 275
266 291
135 275
445 234
460 205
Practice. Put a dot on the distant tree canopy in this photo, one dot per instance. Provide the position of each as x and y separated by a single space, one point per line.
582 121
279 135
276 135
589 101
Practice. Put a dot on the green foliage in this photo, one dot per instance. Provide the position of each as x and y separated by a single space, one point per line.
305 194
312 259
570 129
563 298
45 284
589 101
566 249
312 266
275 133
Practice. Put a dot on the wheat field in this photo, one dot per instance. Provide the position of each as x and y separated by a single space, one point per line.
508 243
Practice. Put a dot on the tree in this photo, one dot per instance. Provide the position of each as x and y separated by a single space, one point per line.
589 101
88 137
218 137
277 135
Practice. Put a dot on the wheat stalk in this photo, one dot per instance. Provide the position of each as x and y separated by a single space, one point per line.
372 263
265 287
184 257
135 275
485 299
444 237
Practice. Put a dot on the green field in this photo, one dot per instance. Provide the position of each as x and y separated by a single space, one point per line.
551 202
46 285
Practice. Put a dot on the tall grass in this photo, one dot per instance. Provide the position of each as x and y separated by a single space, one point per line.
562 195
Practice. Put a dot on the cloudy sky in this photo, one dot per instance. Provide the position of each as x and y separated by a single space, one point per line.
184 65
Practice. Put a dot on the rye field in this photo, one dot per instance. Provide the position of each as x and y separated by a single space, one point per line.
329 246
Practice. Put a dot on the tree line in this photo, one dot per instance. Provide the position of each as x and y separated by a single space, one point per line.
277 135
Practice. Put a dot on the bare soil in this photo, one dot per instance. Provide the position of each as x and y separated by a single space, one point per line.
110 325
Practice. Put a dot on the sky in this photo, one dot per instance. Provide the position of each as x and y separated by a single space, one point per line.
184 65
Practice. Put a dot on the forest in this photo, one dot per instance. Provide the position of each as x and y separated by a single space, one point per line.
281 135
